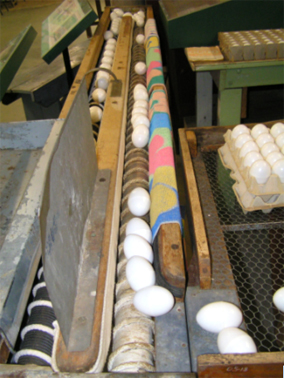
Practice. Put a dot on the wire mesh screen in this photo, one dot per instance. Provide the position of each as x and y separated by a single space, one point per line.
255 245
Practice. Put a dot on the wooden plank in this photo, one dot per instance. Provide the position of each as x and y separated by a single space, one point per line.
169 260
110 155
264 365
203 255
90 60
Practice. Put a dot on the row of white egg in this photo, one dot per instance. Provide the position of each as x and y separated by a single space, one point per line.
138 17
260 150
224 318
102 80
149 298
139 118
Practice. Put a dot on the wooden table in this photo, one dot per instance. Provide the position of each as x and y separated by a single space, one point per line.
231 78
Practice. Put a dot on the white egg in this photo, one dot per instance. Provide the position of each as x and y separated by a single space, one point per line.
140 68
238 130
108 34
139 110
140 136
107 60
135 245
276 129
138 87
273 157
111 41
139 21
141 13
280 140
235 340
278 299
259 129
216 316
99 95
262 139
141 95
105 65
153 300
140 104
139 202
137 226
96 114
110 47
119 12
140 119
140 38
248 147
113 16
139 273
115 30
242 139
267 148
278 169
261 171
108 53
251 157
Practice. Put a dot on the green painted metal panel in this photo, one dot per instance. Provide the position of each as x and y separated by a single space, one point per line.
13 55
252 77
229 106
200 28
63 26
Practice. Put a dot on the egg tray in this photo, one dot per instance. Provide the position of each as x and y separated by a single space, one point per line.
250 195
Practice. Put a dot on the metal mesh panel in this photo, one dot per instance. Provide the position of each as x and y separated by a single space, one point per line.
255 245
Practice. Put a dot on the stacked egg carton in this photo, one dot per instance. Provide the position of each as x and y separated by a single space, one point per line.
252 45
256 159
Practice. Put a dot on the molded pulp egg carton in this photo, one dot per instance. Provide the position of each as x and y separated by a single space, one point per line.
250 195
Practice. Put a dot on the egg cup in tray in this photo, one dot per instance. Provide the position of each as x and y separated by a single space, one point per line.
250 195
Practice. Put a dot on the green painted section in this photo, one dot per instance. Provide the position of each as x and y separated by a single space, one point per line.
201 28
13 55
63 26
229 106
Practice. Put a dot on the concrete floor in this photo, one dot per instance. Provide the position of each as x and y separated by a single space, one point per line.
28 12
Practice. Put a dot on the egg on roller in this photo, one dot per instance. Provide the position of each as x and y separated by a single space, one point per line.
278 299
137 226
260 170
107 60
235 340
139 202
242 139
99 95
140 104
135 245
96 114
259 129
139 86
140 119
141 95
278 169
273 157
251 157
216 316
109 53
264 138
108 34
153 300
238 130
119 12
139 110
140 136
140 68
139 273
276 129
140 38
111 41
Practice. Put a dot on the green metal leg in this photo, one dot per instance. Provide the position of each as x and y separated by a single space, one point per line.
229 106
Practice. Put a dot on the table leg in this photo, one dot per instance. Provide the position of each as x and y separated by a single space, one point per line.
229 106
204 88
